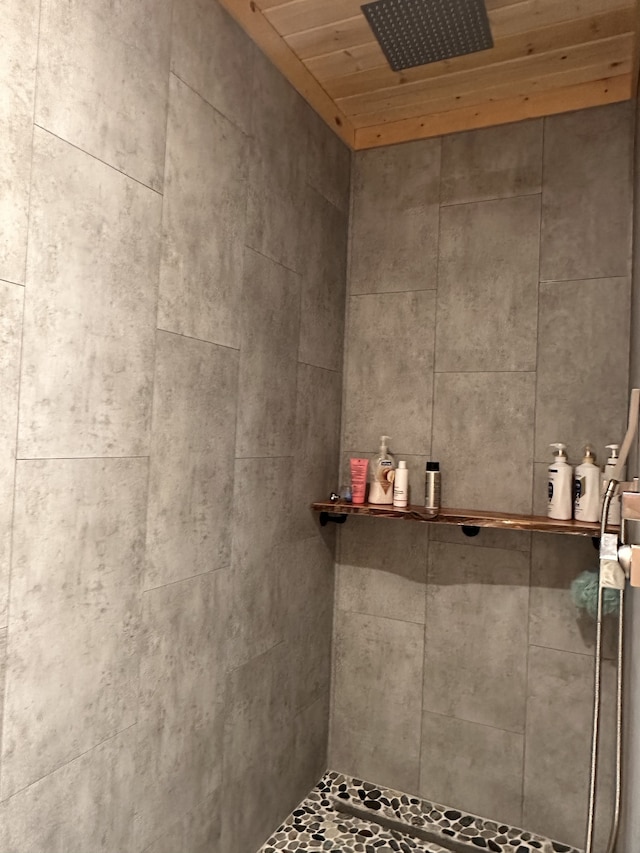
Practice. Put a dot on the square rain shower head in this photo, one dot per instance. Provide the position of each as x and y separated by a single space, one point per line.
416 32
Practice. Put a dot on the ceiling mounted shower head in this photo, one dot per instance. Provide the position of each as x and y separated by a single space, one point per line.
416 32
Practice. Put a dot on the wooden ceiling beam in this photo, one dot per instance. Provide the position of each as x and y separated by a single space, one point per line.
581 96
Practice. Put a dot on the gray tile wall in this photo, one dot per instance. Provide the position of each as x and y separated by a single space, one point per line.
172 290
488 314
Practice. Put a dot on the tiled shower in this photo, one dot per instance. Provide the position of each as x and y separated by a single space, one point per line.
174 647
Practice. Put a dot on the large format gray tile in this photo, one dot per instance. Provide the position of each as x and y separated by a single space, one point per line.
87 367
472 767
394 226
86 805
554 619
389 371
494 162
483 439
72 667
180 733
375 724
383 569
259 713
510 540
119 118
328 162
194 419
307 579
262 501
315 473
264 804
270 322
213 56
583 365
472 672
558 746
19 28
11 306
203 221
324 246
586 199
277 166
488 285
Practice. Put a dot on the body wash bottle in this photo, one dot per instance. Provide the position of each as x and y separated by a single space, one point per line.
586 500
382 474
401 485
560 485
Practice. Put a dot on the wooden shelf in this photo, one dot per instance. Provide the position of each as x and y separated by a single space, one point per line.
465 518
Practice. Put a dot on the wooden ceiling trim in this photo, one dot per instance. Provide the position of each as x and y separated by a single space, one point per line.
251 19
508 90
564 35
592 94
635 71
472 80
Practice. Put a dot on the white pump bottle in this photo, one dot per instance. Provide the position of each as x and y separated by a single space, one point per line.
382 473
560 485
587 488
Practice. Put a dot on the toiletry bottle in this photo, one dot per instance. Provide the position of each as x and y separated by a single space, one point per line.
358 479
432 488
560 485
401 485
614 506
586 494
382 474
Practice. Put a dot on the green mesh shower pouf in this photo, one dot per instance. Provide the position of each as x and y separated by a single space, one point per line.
584 590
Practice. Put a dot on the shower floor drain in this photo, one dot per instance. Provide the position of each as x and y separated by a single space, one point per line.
343 814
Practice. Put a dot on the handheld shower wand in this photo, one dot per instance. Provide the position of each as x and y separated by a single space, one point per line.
614 562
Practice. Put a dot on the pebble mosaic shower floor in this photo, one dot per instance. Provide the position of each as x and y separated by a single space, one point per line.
347 815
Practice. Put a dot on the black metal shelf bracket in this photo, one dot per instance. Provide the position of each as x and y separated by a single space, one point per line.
333 517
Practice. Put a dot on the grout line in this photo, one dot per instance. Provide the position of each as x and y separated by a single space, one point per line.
75 458
459 372
625 277
71 761
98 159
216 110
535 389
273 260
493 198
144 591
475 723
396 292
14 283
194 338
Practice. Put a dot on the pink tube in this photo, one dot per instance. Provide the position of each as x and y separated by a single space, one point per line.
358 479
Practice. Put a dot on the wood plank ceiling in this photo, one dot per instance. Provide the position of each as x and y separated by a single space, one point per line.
549 56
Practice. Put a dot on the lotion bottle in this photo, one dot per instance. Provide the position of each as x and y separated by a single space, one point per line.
614 506
401 485
586 500
382 473
560 485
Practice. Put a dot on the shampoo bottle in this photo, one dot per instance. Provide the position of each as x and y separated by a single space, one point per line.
382 473
614 506
401 485
560 485
586 500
